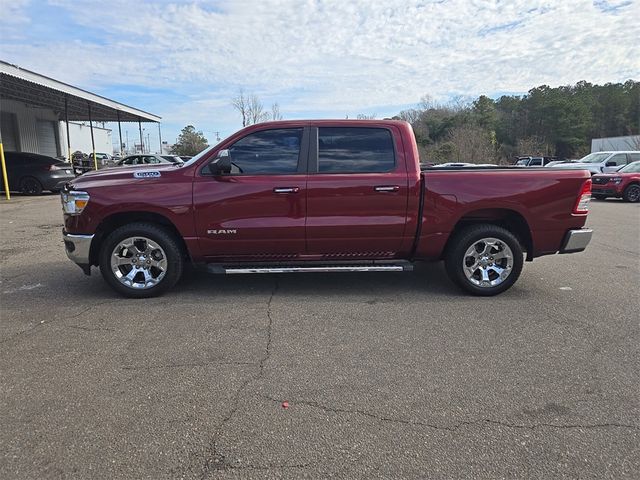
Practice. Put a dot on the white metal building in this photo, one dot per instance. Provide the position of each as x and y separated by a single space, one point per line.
80 134
35 111
610 144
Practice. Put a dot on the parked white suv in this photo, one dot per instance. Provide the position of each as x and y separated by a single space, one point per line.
602 162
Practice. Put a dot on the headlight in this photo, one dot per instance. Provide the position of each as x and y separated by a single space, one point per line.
616 180
73 202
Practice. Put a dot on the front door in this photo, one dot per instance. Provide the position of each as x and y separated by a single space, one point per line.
356 193
258 210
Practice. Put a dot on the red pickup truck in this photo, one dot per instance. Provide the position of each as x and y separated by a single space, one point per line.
320 196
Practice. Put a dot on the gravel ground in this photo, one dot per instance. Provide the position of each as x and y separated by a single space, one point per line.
389 375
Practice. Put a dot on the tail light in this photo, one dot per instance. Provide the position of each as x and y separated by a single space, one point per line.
582 205
53 167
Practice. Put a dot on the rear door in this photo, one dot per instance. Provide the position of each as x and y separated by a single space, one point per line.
258 210
357 192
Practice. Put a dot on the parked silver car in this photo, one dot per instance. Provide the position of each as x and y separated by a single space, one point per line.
602 162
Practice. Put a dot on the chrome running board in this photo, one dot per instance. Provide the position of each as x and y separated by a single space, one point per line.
322 269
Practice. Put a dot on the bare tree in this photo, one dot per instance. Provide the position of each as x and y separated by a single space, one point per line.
411 115
255 110
275 112
532 146
472 144
250 108
240 103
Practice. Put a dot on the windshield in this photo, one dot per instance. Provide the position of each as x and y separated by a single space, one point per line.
594 158
631 168
524 161
197 157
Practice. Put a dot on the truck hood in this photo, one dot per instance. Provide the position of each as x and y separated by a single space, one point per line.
575 165
125 175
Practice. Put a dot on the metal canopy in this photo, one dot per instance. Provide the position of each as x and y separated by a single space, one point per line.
34 89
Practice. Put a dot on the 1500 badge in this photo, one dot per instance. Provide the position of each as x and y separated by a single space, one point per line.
147 174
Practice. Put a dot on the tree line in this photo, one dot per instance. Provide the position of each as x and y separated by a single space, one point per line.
547 121
558 121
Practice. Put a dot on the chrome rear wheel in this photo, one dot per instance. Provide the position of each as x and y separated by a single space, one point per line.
484 259
488 262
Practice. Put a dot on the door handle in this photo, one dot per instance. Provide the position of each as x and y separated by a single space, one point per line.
286 190
387 188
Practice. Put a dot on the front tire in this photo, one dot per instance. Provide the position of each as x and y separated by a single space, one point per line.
484 259
631 193
141 260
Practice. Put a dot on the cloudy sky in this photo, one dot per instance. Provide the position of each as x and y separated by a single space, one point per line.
185 61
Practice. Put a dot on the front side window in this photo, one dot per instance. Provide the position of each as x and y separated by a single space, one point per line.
619 159
355 150
268 152
536 162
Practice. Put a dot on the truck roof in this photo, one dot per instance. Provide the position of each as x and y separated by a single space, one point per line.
324 121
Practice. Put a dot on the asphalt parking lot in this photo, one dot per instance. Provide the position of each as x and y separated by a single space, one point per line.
386 375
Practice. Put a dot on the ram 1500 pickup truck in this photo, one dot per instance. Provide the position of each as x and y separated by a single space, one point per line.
320 196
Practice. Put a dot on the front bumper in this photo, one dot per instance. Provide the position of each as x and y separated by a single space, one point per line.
576 240
602 190
77 248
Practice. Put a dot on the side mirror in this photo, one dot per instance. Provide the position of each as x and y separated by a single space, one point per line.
610 163
221 165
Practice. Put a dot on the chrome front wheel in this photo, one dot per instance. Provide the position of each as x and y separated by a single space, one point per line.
139 262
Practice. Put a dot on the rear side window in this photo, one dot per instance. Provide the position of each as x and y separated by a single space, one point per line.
633 157
355 150
267 152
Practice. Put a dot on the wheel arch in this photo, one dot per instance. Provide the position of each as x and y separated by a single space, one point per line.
506 218
119 219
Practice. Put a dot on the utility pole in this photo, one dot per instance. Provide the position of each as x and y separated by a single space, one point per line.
217 136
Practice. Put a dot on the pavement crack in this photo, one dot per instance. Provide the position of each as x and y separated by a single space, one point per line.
456 426
184 365
267 352
42 323
216 460
89 329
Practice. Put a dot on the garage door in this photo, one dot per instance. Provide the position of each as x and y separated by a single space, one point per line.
8 129
47 138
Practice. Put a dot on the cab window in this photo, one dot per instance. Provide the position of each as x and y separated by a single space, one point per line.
267 152
355 150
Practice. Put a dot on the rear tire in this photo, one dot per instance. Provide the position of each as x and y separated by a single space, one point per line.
631 193
484 259
30 186
151 265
